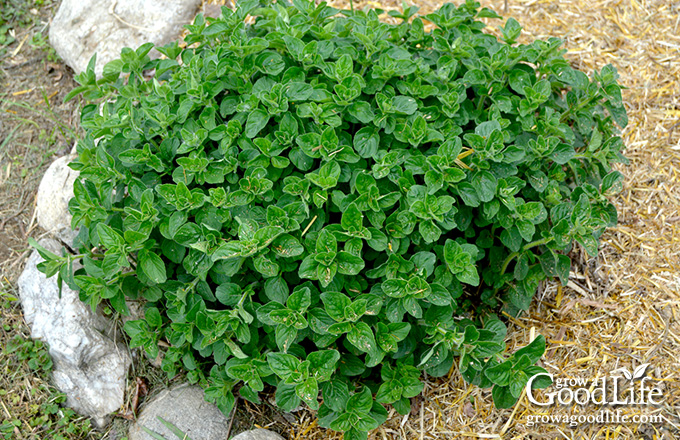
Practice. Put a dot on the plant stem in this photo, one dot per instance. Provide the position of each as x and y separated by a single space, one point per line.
480 106
525 248
578 108
508 260
119 277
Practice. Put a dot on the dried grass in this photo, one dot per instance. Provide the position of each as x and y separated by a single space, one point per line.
621 308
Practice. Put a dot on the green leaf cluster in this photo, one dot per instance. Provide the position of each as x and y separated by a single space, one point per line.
313 200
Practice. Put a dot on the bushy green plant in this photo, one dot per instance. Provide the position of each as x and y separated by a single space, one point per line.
324 202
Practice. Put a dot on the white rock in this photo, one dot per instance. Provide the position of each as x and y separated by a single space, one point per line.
258 434
185 407
82 27
54 193
88 365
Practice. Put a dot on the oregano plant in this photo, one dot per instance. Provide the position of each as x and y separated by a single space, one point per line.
315 201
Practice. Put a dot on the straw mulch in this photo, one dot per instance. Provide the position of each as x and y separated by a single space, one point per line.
620 309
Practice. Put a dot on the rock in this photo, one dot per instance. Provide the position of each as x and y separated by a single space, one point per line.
212 10
54 193
258 434
89 366
185 407
82 27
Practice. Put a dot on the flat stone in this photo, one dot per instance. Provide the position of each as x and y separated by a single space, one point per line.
185 407
54 193
82 28
258 434
90 367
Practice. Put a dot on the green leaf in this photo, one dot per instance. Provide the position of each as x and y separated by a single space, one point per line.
502 397
326 242
257 120
352 219
366 142
109 238
152 266
322 363
361 336
328 175
308 392
517 382
412 385
44 253
612 183
404 105
389 392
335 304
270 62
282 364
519 79
361 402
563 154
228 294
298 91
275 288
540 382
285 336
363 112
562 268
474 77
429 231
511 31
485 184
349 264
153 317
356 433
300 300
286 397
344 422
469 276
287 246
582 210
228 250
469 194
266 266
308 268
534 350
174 429
395 288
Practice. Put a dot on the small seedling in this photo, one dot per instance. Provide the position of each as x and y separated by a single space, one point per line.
174 429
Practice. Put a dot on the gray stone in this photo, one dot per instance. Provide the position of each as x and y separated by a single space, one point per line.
185 407
54 193
82 27
89 366
258 434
